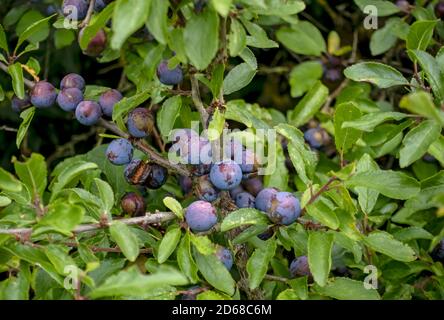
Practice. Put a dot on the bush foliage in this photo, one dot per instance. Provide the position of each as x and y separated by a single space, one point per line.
354 91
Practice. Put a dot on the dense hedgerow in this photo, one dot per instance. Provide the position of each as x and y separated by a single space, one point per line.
221 149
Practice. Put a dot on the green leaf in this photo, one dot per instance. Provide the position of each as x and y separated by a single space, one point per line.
131 282
69 174
248 56
125 239
5 201
8 182
209 294
27 116
385 38
174 206
216 125
167 115
203 244
31 30
100 21
258 38
63 217
243 217
417 142
125 105
128 17
33 173
384 8
420 34
169 243
303 158
432 71
304 76
302 38
201 38
237 39
324 213
421 103
3 41
257 264
319 255
157 21
215 273
63 38
222 6
366 197
345 138
393 184
16 72
106 195
309 105
380 74
437 150
185 259
412 233
369 121
348 289
238 77
385 243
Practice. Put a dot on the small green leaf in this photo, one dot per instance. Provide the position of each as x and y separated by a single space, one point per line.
383 7
309 105
167 115
385 243
203 244
33 173
174 206
421 103
222 6
169 243
106 195
16 72
243 217
201 38
304 76
3 41
8 182
380 74
90 31
125 105
63 217
185 259
157 21
237 39
417 142
257 265
345 138
215 273
32 30
302 38
216 125
366 197
393 184
420 34
27 116
319 256
369 121
348 289
125 239
238 77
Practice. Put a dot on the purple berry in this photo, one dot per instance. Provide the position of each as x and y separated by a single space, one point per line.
438 252
96 45
120 152
133 204
157 176
299 267
439 10
107 101
314 137
200 216
284 208
69 98
43 95
169 76
249 162
18 104
264 198
224 255
140 123
99 5
187 145
75 9
186 184
205 189
73 80
245 200
253 185
226 175
234 192
88 112
201 169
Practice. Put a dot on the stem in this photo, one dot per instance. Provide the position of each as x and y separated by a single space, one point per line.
87 19
275 278
195 95
102 249
147 149
319 193
147 219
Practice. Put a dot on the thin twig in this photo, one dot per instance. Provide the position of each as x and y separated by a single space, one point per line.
6 128
103 249
147 219
319 193
195 95
87 19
